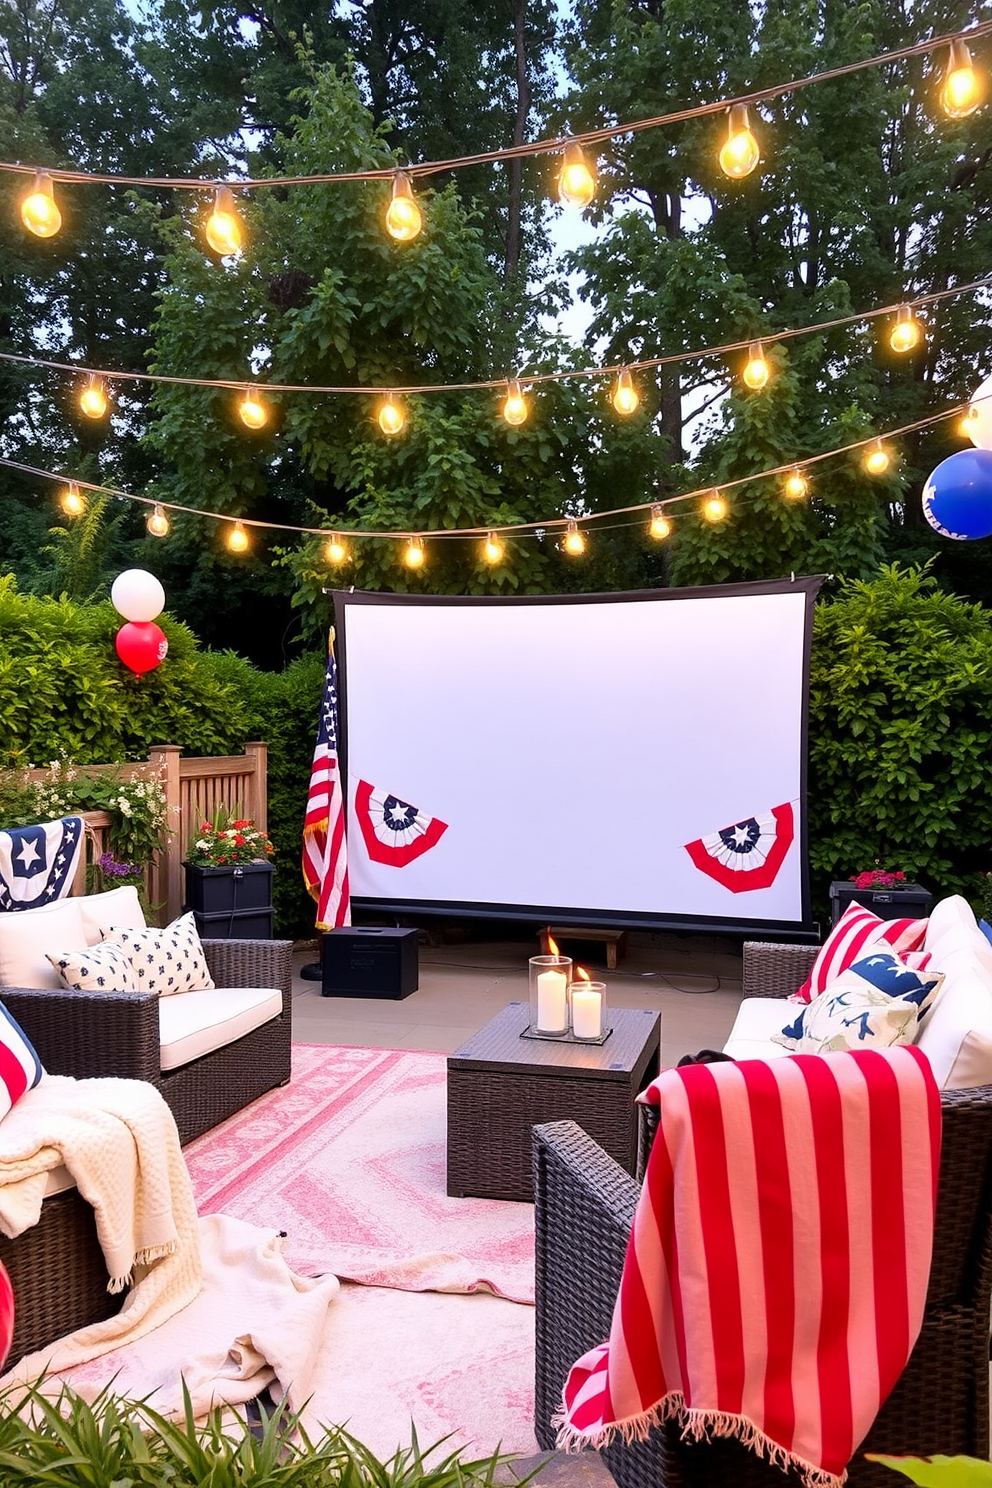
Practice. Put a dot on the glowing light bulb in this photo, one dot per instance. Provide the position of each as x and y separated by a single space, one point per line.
877 458
404 218
963 88
93 398
252 411
73 502
574 541
740 153
413 554
335 550
714 507
223 229
492 549
577 179
390 415
795 485
625 396
756 369
237 539
660 525
157 523
907 331
515 404
968 424
39 211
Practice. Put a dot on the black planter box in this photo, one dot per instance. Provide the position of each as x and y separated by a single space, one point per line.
228 890
370 963
251 924
908 901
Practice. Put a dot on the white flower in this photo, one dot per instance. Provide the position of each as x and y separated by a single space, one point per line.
124 804
202 846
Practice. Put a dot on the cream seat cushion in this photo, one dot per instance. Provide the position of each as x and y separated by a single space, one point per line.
192 1024
758 1020
957 1031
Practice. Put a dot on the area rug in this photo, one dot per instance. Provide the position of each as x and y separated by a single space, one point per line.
349 1160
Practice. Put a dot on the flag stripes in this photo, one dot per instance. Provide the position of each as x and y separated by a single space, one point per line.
325 856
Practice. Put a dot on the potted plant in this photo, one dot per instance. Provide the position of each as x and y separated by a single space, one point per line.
885 891
229 877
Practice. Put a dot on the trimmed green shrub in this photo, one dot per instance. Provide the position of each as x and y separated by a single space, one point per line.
900 735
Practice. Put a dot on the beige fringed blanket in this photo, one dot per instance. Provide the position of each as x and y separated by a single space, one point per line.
119 1141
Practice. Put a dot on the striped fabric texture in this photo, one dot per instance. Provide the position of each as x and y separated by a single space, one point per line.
20 1067
856 930
777 1268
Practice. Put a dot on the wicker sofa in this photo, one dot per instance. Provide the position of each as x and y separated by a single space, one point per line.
585 1206
57 1268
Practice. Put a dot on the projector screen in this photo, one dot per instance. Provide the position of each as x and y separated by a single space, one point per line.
594 759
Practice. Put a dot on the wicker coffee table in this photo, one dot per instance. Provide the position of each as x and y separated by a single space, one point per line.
500 1085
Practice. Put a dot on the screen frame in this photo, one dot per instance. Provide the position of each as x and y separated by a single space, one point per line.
802 930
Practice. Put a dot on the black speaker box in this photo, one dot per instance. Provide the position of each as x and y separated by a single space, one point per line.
369 963
910 901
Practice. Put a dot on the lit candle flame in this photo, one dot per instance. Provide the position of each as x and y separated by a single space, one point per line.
581 975
552 947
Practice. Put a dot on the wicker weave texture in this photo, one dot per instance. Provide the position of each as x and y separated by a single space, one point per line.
772 970
58 1274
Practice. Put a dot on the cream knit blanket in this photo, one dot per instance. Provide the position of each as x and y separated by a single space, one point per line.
119 1141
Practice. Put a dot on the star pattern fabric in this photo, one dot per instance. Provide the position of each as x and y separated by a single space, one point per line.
165 961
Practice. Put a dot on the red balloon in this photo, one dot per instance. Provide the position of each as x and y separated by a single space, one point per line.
141 645
6 1314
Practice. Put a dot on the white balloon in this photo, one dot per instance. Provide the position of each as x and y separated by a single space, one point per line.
979 419
137 595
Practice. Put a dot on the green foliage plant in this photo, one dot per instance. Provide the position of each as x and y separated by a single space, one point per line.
136 807
900 733
115 1443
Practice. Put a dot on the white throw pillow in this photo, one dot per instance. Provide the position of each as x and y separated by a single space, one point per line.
875 1003
26 937
952 927
166 961
102 968
115 907
957 1035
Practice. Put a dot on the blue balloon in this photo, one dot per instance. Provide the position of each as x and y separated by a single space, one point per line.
957 499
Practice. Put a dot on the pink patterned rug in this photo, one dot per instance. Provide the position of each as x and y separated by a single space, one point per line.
349 1160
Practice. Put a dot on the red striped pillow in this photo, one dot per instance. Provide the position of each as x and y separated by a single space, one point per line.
856 929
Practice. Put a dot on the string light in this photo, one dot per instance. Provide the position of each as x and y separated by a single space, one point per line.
414 554
93 397
237 539
404 218
577 179
515 404
157 523
740 153
660 525
907 331
877 458
492 549
625 396
795 485
391 416
714 508
253 412
963 88
756 369
223 226
968 424
39 211
334 550
574 541
73 502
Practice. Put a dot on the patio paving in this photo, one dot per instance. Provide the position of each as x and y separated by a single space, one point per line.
694 980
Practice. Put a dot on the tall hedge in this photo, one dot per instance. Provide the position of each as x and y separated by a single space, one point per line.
900 747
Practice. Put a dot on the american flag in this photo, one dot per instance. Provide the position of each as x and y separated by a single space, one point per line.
325 855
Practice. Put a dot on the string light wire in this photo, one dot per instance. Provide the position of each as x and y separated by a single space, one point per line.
523 151
521 528
726 349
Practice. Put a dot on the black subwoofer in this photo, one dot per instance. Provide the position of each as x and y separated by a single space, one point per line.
369 963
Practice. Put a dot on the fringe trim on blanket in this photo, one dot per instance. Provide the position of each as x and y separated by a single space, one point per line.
144 1257
697 1425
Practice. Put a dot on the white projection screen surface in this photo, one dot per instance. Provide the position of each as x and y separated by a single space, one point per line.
608 759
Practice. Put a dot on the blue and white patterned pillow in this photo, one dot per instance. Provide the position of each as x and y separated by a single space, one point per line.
165 961
877 1002
100 968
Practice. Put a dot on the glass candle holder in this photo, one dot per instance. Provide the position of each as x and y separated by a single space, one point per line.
549 979
588 1010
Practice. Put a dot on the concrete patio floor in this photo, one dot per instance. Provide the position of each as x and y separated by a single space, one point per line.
693 979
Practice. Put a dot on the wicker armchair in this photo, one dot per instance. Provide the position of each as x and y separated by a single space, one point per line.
584 1210
57 1267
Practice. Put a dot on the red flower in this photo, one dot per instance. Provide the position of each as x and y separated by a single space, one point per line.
239 840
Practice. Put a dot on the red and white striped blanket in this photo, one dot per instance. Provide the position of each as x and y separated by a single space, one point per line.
777 1268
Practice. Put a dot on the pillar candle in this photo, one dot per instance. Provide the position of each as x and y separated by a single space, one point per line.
552 1002
587 1011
